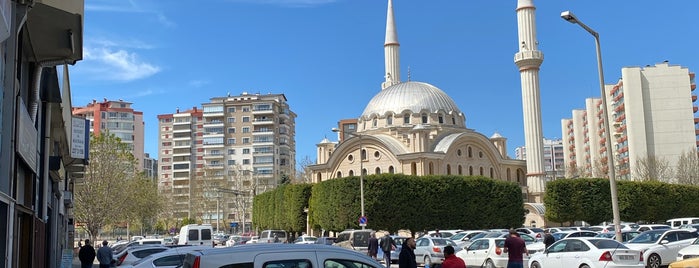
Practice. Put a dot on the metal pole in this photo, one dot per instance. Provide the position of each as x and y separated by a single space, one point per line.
217 210
567 15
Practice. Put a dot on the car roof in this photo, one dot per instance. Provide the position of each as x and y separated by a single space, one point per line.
276 247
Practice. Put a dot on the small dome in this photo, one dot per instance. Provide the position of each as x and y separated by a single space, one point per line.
411 96
496 136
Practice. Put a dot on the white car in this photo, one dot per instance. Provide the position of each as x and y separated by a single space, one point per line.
305 239
646 227
131 255
485 252
462 238
431 250
587 253
688 252
280 255
170 258
660 247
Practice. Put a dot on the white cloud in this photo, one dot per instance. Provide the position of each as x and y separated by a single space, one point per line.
115 64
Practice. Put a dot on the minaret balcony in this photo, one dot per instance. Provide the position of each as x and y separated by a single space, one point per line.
529 58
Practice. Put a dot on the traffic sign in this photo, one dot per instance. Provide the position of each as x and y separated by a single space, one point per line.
362 221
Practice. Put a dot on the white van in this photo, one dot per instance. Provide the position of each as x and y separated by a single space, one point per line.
195 234
268 236
676 223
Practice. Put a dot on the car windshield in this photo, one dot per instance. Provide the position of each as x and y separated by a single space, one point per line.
605 235
606 243
457 236
696 242
647 237
559 235
481 235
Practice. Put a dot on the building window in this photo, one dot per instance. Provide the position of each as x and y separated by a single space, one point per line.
231 130
431 167
246 161
231 162
246 140
231 120
246 129
390 170
375 122
424 118
453 120
364 172
246 109
461 170
246 151
458 152
448 169
480 171
231 151
351 173
231 141
413 168
231 109
389 120
378 170
339 174
470 170
246 119
492 173
470 152
363 154
406 119
441 119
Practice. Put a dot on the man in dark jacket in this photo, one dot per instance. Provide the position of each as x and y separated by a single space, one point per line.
387 244
548 239
86 255
406 259
373 246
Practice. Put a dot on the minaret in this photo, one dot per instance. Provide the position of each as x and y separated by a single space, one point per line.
528 59
391 50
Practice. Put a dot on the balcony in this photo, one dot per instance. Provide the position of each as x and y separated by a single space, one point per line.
213 156
263 111
261 121
267 131
213 123
215 166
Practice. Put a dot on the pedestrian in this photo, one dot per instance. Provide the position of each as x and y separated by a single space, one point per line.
105 255
451 260
406 258
548 238
387 244
373 246
86 254
515 248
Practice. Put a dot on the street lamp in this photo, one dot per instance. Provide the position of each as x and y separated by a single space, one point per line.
570 17
361 170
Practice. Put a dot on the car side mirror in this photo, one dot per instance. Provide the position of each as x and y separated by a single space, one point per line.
664 241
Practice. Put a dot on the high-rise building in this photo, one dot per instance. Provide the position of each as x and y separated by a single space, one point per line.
554 163
652 112
117 118
231 149
150 167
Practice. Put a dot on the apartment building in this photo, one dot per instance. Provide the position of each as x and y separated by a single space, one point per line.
652 114
119 118
554 162
229 150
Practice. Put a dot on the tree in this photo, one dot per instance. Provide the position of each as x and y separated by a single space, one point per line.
688 168
145 204
652 168
103 194
304 174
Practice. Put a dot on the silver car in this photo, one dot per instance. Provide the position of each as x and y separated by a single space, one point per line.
430 250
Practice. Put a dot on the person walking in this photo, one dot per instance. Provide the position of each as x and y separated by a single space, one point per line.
105 255
373 246
548 238
406 258
86 255
387 244
515 247
451 260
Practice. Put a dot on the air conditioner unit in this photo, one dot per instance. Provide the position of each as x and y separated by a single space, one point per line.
68 199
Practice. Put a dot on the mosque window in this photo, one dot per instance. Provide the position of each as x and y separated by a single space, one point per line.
458 152
448 169
406 119
470 171
351 173
377 155
508 174
350 158
378 170
339 174
390 170
470 151
480 171
424 118
492 173
320 178
453 120
480 154
441 119
413 168
431 167
364 172
461 170
389 120
363 154
375 122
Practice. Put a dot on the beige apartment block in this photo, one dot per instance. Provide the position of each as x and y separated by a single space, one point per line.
652 115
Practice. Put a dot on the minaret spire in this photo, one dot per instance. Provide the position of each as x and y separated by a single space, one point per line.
391 49
528 59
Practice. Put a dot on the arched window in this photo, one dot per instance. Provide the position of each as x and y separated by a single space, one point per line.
470 152
441 118
492 173
424 118
480 171
508 174
375 122
339 174
363 154
453 120
406 119
364 172
431 167
458 152
448 169
377 171
389 120
470 170
319 179
413 168
390 170
461 170
351 173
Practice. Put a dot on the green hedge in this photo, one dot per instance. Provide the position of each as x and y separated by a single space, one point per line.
396 201
282 208
589 200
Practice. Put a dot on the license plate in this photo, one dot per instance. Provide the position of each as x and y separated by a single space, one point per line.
626 257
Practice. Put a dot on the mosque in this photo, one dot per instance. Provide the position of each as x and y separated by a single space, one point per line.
415 128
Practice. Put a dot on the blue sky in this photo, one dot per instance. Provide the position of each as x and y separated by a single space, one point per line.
326 56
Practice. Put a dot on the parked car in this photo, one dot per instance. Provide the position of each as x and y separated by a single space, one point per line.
485 252
558 229
430 250
660 247
324 240
354 239
133 254
170 258
602 228
537 233
566 234
268 236
625 235
394 252
305 239
533 245
151 241
220 239
688 252
235 240
646 227
195 234
587 252
676 223
279 255
443 233
461 238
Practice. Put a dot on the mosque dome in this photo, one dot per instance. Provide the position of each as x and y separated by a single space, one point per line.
411 96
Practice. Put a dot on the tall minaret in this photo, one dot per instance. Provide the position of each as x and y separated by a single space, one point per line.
391 50
528 59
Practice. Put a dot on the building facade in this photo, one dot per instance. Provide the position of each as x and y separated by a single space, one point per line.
39 155
231 149
554 161
121 120
413 128
652 115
